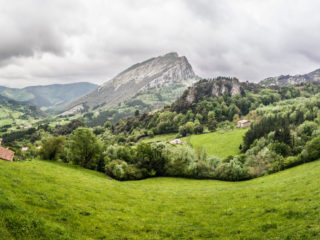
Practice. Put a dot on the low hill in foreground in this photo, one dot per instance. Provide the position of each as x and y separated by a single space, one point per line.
44 200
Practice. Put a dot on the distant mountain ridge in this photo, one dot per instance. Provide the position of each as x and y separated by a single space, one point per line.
292 80
153 73
48 95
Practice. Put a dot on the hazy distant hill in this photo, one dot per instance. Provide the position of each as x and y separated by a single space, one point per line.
15 114
48 95
292 80
155 73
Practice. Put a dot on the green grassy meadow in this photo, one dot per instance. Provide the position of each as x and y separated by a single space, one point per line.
46 200
222 143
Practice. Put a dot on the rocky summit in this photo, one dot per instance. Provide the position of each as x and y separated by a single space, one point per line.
153 73
292 80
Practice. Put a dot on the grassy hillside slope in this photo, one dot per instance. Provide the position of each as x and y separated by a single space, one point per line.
43 200
221 143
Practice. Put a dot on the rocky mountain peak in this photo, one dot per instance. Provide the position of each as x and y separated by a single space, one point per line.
156 72
152 73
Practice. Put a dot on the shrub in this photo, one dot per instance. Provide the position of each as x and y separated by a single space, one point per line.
52 148
233 170
312 150
84 148
203 169
307 128
180 160
280 148
98 130
198 128
292 161
68 128
117 169
150 133
151 158
186 129
260 163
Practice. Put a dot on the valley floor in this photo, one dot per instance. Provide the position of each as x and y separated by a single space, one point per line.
44 200
221 143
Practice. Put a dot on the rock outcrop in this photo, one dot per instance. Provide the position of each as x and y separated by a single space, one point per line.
213 88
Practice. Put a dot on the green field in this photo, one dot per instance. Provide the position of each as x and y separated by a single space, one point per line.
221 143
44 200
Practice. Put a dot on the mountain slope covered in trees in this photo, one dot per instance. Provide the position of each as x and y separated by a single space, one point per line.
284 133
48 95
15 114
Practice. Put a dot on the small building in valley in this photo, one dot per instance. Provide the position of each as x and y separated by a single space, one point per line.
24 149
6 154
244 123
176 141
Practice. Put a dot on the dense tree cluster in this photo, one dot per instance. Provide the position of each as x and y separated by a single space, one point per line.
206 111
283 136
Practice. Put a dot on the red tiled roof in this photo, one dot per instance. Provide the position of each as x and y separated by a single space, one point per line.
6 154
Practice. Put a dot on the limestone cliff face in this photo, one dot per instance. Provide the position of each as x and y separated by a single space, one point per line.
292 80
157 72
213 88
229 86
152 73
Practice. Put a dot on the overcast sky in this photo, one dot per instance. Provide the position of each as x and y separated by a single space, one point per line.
63 41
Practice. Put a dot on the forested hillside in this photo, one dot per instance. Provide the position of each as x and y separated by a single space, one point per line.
49 95
284 133
15 115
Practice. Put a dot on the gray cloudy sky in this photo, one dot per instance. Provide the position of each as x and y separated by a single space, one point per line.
62 41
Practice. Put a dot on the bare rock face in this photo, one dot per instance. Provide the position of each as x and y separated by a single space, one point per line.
213 88
152 73
157 72
292 80
207 88
226 86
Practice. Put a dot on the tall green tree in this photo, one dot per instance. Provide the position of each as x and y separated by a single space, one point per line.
85 149
52 148
212 123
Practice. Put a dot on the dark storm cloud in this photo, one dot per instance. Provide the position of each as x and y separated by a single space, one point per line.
56 41
28 28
